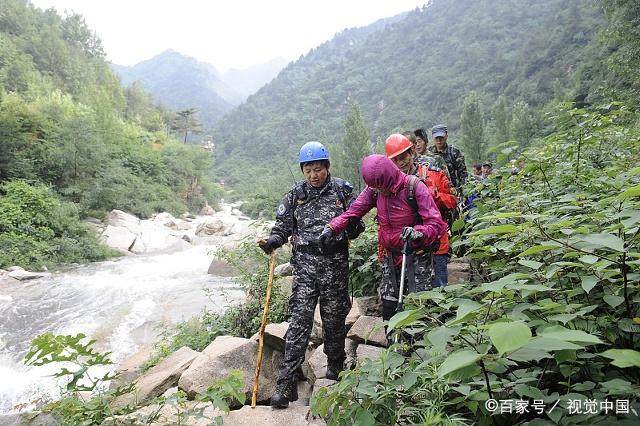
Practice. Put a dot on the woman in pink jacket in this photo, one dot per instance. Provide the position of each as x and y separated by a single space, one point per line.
406 211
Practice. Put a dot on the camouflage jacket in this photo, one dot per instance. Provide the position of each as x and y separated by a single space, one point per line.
305 210
434 161
455 163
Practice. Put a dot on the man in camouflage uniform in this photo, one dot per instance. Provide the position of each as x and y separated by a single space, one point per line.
451 155
320 270
424 157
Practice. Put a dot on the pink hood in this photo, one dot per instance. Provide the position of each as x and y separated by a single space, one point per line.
380 173
394 210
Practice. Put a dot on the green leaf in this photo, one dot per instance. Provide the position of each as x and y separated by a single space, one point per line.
509 336
589 259
530 264
404 318
457 361
364 417
589 282
496 230
634 191
604 240
538 249
613 300
466 308
547 344
618 387
525 354
623 358
439 337
559 332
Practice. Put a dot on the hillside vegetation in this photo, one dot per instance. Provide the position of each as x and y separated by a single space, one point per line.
67 128
415 70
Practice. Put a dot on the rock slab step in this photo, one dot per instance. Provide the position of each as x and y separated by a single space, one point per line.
368 329
295 415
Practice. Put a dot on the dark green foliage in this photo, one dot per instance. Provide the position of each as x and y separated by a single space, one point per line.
37 229
554 315
61 124
355 146
415 70
472 133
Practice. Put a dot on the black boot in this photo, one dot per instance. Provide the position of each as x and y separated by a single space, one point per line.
334 369
286 392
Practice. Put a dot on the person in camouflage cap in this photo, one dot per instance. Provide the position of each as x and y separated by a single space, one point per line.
320 270
419 137
452 156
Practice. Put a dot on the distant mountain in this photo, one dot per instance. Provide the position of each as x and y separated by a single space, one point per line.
179 81
247 81
414 70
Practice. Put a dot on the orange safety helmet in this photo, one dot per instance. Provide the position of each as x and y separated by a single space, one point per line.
396 144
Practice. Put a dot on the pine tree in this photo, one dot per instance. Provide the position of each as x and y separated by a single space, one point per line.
472 124
185 122
523 124
354 147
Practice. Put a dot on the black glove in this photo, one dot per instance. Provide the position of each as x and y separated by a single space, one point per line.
410 234
271 244
325 237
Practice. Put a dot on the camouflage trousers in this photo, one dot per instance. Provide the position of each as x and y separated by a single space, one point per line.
418 270
316 277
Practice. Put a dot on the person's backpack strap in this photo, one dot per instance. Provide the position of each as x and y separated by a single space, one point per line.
411 196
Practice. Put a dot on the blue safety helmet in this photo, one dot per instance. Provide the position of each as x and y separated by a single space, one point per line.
313 151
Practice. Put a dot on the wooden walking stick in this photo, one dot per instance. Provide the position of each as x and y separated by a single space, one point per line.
265 314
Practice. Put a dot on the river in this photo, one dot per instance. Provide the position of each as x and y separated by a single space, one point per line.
121 303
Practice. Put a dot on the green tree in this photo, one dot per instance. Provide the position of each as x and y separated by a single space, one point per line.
472 128
501 121
354 147
523 123
624 33
186 122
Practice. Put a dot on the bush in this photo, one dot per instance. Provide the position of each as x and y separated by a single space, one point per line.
554 318
37 229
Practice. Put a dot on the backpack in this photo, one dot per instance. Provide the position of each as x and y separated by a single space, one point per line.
411 197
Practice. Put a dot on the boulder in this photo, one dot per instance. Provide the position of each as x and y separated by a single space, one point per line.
459 271
118 237
305 389
367 352
212 227
3 271
22 275
165 219
15 268
316 330
121 219
221 268
228 353
295 415
131 367
156 239
273 335
160 378
350 348
318 364
28 419
368 329
138 246
189 413
170 392
354 313
286 285
370 305
284 270
207 210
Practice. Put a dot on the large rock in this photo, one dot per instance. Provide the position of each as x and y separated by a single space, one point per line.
28 419
207 210
284 270
160 378
213 227
118 237
130 368
370 305
286 285
295 415
368 329
189 413
227 353
367 352
222 269
157 239
459 272
22 275
273 335
123 220
318 364
350 348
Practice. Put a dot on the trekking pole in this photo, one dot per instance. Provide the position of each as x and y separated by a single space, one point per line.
265 313
405 250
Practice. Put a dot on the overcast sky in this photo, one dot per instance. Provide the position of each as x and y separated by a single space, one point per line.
225 33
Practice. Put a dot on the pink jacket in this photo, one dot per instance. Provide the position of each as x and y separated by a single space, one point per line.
394 211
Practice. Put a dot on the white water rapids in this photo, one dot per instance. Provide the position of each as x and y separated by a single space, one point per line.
120 303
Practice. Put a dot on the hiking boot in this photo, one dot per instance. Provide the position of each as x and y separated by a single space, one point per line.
286 392
333 370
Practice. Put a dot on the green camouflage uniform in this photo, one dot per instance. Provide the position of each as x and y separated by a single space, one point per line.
455 163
